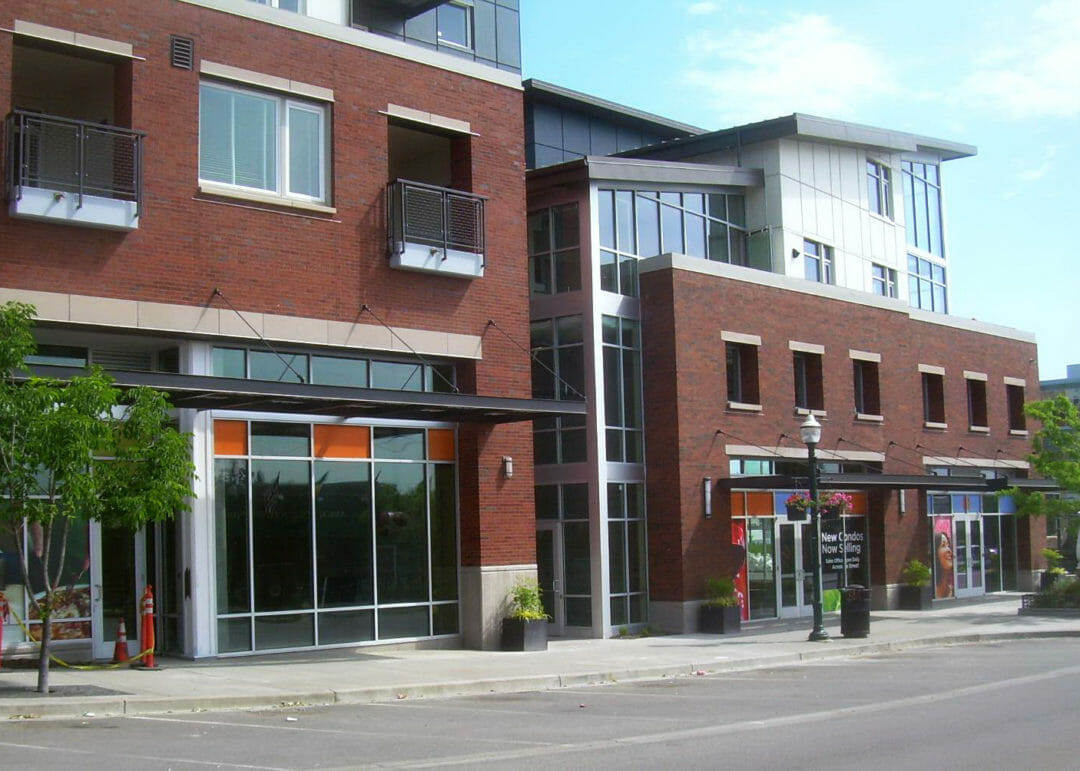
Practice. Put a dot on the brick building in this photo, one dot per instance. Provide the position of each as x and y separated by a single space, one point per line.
707 293
305 221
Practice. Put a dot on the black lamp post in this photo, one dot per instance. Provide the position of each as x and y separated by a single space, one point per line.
810 433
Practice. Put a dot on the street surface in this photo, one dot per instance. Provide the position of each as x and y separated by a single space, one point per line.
1009 705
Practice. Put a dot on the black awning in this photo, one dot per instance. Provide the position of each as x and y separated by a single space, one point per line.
201 392
971 484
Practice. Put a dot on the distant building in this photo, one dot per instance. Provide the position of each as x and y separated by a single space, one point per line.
709 292
1068 385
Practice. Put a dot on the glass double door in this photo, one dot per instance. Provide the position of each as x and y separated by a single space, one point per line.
118 577
794 559
968 556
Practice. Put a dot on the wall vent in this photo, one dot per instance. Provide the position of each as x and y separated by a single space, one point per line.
182 52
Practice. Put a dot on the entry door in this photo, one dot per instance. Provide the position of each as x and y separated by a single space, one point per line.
968 556
796 579
118 568
549 572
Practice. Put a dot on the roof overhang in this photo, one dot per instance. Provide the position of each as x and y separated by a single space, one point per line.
972 484
200 392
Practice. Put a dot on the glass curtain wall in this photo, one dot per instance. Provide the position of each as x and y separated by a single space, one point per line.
333 534
626 553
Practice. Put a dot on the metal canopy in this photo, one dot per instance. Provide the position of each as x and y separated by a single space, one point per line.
972 484
202 392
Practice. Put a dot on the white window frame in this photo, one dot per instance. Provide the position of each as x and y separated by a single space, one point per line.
285 105
884 285
823 256
880 175
467 8
301 5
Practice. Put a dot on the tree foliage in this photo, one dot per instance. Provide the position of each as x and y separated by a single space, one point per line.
1055 455
78 450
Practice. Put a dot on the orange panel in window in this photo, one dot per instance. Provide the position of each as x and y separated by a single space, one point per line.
440 444
858 503
759 504
738 504
342 442
230 437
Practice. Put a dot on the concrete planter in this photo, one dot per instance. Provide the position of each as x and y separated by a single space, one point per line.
916 597
521 635
715 619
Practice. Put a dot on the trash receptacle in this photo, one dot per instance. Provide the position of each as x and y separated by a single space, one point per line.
855 611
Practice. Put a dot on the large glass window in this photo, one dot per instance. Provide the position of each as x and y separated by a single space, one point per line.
554 253
262 141
635 224
622 389
454 22
926 285
884 280
558 372
922 207
626 553
342 534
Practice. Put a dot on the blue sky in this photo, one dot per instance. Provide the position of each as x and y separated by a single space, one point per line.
1003 76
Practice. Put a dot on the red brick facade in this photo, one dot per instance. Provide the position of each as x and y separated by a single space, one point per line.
684 314
276 260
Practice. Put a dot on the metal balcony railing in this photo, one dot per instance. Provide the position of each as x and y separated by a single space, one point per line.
437 217
72 156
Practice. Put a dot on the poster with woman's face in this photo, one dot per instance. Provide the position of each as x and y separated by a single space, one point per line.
944 576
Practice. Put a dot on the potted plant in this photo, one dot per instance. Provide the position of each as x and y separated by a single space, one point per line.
916 591
1053 568
829 505
720 613
525 627
797 506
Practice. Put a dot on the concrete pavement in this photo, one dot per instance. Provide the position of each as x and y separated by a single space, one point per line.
366 674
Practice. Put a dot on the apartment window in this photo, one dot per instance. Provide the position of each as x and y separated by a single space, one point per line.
455 24
879 188
933 392
818 261
922 207
884 281
926 285
263 142
809 392
554 254
976 399
742 373
1015 395
867 389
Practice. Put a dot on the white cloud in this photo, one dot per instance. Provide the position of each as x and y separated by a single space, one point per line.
1036 173
701 9
1034 72
804 64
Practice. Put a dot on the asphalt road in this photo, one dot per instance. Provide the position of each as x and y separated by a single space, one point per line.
1012 705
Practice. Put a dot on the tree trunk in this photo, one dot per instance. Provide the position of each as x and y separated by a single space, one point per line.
46 642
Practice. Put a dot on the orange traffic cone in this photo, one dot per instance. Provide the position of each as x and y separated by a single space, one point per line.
120 650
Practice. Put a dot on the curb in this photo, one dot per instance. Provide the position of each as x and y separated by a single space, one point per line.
30 708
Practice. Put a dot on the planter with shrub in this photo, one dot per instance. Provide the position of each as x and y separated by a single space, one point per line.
720 613
916 591
525 627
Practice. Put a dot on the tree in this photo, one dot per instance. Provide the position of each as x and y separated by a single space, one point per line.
74 451
1055 455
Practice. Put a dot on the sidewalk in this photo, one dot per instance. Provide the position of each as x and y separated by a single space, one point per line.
357 675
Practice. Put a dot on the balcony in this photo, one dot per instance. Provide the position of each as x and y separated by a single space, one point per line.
435 229
73 172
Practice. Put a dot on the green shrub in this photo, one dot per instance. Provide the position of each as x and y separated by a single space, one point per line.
720 593
1063 593
915 573
525 604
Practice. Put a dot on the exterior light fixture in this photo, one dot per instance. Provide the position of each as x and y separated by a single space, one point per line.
706 488
810 433
508 467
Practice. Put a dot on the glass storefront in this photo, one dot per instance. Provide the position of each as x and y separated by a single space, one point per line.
333 534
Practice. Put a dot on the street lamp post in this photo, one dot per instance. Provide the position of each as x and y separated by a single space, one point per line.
810 433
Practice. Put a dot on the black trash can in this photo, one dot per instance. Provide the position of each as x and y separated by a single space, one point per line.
855 611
